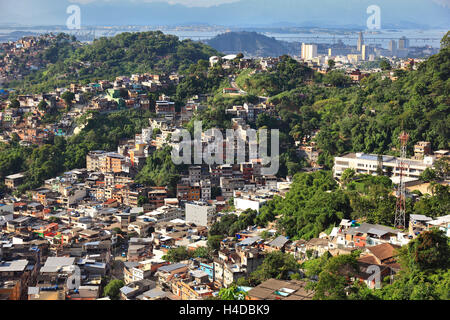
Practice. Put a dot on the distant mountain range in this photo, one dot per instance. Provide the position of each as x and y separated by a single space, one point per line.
252 44
318 13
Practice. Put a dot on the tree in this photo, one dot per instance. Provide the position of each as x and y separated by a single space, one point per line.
276 265
445 42
213 242
334 280
331 64
202 252
14 104
425 274
429 251
43 105
442 168
428 175
337 79
347 176
232 293
68 97
385 65
177 254
112 289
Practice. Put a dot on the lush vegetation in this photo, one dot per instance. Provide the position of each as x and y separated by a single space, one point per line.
316 204
287 75
182 253
424 273
360 118
160 170
112 289
101 132
278 265
106 58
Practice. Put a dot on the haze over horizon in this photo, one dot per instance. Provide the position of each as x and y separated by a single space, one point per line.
320 13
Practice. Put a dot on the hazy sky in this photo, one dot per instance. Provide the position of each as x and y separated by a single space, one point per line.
188 3
209 3
394 13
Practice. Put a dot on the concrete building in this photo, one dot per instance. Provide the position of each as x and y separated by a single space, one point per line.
422 149
93 160
200 213
253 204
393 47
403 43
364 52
13 181
309 51
360 41
369 163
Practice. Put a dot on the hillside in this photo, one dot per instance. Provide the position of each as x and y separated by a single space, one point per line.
251 44
123 54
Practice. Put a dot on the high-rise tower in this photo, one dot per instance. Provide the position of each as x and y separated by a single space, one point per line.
360 41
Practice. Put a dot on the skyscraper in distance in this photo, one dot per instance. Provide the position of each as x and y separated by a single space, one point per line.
403 43
360 41
393 46
309 51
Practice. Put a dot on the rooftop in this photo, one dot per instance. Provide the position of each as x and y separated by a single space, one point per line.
13 266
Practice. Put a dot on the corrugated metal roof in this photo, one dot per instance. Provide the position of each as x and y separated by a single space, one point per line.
279 241
172 267
11 266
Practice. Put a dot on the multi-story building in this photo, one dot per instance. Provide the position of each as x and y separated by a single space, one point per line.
93 160
165 108
13 181
156 197
309 51
422 149
112 162
369 164
195 174
200 213
206 190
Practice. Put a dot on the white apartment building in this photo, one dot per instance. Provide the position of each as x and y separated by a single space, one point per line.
368 164
309 51
166 214
200 213
249 203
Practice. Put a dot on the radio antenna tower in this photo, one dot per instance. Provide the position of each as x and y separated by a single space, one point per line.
400 213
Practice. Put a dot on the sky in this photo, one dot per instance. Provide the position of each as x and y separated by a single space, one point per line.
205 3
187 3
326 13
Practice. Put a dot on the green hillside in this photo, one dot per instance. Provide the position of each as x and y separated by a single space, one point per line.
123 54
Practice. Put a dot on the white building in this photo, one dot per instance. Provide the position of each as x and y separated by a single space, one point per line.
368 164
246 203
309 51
200 213
165 214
